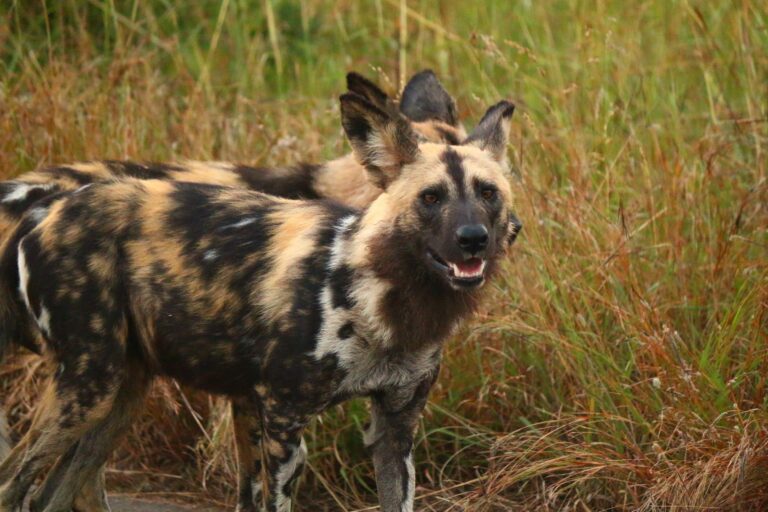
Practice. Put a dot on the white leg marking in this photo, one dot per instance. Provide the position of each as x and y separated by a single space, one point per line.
408 503
285 473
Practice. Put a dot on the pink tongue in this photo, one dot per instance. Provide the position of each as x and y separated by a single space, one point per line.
472 265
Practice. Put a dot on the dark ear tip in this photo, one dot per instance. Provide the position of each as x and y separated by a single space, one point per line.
354 78
507 108
425 73
352 100
351 96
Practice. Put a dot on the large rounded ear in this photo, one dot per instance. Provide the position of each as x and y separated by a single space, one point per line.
383 143
358 84
492 132
425 99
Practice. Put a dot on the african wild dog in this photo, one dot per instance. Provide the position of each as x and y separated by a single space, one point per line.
290 305
424 102
429 107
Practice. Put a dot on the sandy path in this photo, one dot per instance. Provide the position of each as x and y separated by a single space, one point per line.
119 504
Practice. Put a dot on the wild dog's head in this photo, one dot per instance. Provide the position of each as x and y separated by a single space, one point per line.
425 102
448 207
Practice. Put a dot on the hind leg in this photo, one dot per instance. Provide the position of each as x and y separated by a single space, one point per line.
77 401
248 434
285 454
77 479
92 496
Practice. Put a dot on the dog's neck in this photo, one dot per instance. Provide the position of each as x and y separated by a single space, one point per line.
393 292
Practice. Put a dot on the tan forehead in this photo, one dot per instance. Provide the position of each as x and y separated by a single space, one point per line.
431 168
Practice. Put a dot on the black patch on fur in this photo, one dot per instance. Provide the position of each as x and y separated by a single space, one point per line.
455 168
340 281
421 307
150 171
294 182
425 99
346 330
79 177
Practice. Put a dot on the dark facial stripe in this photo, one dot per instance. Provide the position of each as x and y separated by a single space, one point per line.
455 168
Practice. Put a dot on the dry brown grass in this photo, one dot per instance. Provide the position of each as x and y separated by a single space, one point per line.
621 363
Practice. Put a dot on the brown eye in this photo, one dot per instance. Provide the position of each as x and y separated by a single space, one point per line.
488 194
430 198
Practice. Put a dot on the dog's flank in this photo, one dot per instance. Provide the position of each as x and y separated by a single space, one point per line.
342 179
290 306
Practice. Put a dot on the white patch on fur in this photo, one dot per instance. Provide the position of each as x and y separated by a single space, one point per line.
83 188
256 487
379 154
21 190
339 242
38 214
285 473
44 321
411 488
240 224
23 276
370 369
210 255
328 341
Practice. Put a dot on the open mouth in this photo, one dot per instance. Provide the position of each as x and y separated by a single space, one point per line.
468 273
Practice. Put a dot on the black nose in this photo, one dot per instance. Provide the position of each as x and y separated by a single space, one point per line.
473 238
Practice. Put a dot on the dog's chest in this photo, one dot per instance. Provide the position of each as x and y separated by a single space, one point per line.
372 370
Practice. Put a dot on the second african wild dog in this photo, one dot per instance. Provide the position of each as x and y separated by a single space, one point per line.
294 305
428 106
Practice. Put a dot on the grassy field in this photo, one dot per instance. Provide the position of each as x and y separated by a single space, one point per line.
622 362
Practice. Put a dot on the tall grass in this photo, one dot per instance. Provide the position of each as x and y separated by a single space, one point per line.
622 361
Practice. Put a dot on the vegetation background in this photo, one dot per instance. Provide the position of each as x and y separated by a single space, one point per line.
622 361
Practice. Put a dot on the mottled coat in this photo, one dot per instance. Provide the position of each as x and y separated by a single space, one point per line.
289 305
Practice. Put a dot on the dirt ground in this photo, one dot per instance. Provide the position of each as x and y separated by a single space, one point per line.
125 504
119 504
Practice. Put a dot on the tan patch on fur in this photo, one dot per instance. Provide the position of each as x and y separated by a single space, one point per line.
431 130
93 168
345 180
293 241
215 173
